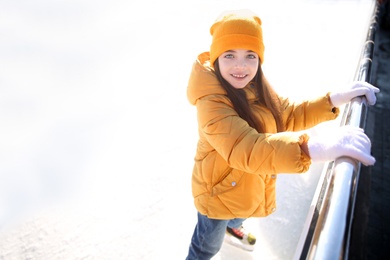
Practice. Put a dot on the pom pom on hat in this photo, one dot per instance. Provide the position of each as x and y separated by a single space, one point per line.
239 29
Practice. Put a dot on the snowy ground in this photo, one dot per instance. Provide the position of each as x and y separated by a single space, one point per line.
97 138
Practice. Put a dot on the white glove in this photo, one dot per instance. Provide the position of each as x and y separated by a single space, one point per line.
343 141
358 88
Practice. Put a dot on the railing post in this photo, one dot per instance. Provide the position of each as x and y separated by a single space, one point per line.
326 234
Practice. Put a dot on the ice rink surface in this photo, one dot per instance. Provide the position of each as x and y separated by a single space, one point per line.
97 138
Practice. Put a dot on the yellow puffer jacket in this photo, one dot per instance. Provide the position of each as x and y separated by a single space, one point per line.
235 169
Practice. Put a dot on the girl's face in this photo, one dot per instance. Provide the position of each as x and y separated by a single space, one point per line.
238 66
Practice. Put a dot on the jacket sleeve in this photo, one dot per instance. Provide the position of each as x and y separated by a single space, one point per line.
304 115
242 147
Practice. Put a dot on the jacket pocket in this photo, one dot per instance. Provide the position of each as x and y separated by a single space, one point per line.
231 181
241 193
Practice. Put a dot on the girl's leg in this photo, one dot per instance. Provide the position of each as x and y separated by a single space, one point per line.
235 223
207 238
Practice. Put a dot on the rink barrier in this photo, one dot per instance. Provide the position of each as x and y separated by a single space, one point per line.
327 230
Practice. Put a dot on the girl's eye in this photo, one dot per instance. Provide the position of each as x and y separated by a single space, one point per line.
229 56
251 56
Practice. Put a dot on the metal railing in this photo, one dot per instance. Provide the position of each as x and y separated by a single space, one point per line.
327 230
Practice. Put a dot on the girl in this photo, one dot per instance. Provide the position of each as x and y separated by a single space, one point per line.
248 134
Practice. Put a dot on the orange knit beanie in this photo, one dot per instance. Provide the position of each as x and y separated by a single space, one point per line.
236 30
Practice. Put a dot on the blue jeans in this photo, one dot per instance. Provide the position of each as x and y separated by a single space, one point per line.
208 236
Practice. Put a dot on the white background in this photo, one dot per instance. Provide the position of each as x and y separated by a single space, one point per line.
97 138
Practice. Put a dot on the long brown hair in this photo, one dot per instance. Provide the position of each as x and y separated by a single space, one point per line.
266 96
